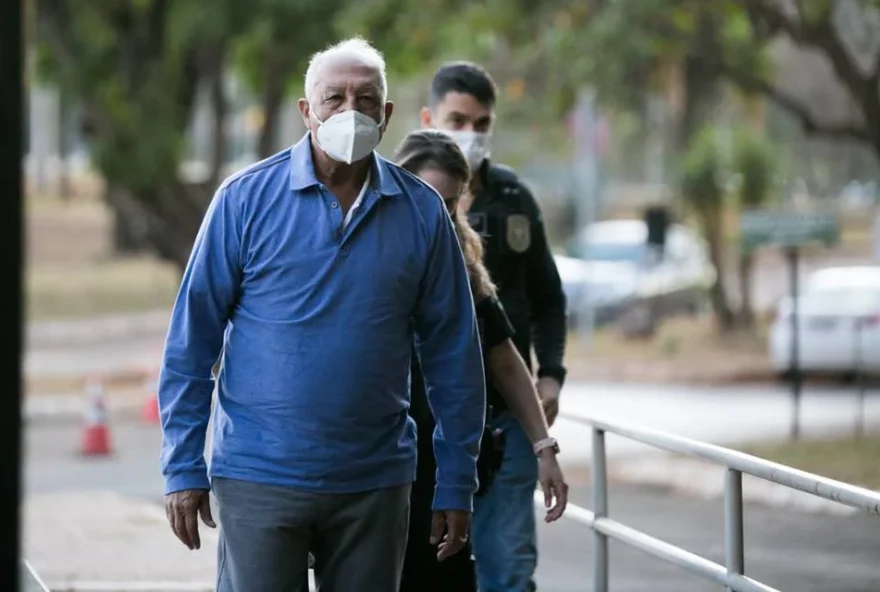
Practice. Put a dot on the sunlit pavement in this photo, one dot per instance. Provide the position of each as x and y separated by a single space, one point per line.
720 415
794 551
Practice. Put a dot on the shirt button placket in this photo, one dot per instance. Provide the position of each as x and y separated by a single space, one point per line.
338 223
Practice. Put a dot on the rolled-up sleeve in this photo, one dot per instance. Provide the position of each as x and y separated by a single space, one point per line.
207 295
448 346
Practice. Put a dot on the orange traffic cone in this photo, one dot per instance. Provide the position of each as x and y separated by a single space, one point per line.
150 410
96 438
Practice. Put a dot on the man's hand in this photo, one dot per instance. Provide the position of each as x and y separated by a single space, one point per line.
183 509
449 532
548 391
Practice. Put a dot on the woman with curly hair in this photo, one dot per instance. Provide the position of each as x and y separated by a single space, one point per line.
434 157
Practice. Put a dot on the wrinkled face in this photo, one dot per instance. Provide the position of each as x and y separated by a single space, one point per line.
458 112
449 188
343 86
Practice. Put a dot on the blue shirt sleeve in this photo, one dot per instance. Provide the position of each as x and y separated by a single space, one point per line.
207 295
448 345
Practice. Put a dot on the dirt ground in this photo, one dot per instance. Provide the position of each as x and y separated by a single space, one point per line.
71 271
684 350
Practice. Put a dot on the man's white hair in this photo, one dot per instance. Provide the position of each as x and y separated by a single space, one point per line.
355 49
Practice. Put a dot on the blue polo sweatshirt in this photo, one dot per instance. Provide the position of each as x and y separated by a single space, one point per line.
316 323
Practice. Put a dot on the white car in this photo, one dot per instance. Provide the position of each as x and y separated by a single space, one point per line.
838 323
612 271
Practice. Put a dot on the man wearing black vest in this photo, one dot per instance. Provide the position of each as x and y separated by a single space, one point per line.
503 210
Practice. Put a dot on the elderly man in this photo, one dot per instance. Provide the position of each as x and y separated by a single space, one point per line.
313 272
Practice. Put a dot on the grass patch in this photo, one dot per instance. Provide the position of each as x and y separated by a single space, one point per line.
60 291
682 350
848 459
693 340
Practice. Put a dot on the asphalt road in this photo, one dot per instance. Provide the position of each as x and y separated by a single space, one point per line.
792 551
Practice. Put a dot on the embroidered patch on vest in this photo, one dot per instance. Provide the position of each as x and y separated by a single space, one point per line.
519 233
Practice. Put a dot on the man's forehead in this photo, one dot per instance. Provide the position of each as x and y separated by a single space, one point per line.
464 105
347 74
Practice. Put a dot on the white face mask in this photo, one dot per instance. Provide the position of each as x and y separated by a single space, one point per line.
348 136
476 146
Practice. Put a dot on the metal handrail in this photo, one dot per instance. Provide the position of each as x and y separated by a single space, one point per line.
731 575
30 581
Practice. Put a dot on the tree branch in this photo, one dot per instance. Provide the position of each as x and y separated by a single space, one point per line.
820 35
810 123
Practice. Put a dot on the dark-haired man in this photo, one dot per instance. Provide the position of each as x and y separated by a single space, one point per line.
503 210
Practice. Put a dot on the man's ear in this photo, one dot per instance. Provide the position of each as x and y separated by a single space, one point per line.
425 118
389 111
304 111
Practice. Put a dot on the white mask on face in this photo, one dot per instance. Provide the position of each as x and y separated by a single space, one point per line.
348 136
476 146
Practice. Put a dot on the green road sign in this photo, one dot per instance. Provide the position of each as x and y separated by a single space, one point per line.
787 229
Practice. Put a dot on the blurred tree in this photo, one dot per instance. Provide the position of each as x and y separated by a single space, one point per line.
819 26
135 68
730 40
702 188
630 49
755 166
507 35
412 32
627 49
273 52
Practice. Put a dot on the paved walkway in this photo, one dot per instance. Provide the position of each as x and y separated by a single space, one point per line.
791 551
103 536
100 519
99 541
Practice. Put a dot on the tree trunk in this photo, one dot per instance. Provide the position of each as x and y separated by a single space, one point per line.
64 189
173 214
125 240
700 89
128 232
711 219
746 312
272 101
219 111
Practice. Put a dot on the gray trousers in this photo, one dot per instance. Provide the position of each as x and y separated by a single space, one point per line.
266 533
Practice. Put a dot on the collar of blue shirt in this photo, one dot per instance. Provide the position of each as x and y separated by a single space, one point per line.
302 170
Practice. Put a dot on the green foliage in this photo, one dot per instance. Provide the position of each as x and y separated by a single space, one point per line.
623 48
124 64
415 34
702 170
754 161
620 47
280 38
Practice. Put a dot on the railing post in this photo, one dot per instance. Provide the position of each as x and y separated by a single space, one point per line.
600 510
734 553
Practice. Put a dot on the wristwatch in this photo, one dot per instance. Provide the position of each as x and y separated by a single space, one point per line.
544 444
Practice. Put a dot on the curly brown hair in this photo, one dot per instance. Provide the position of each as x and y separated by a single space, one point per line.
423 150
